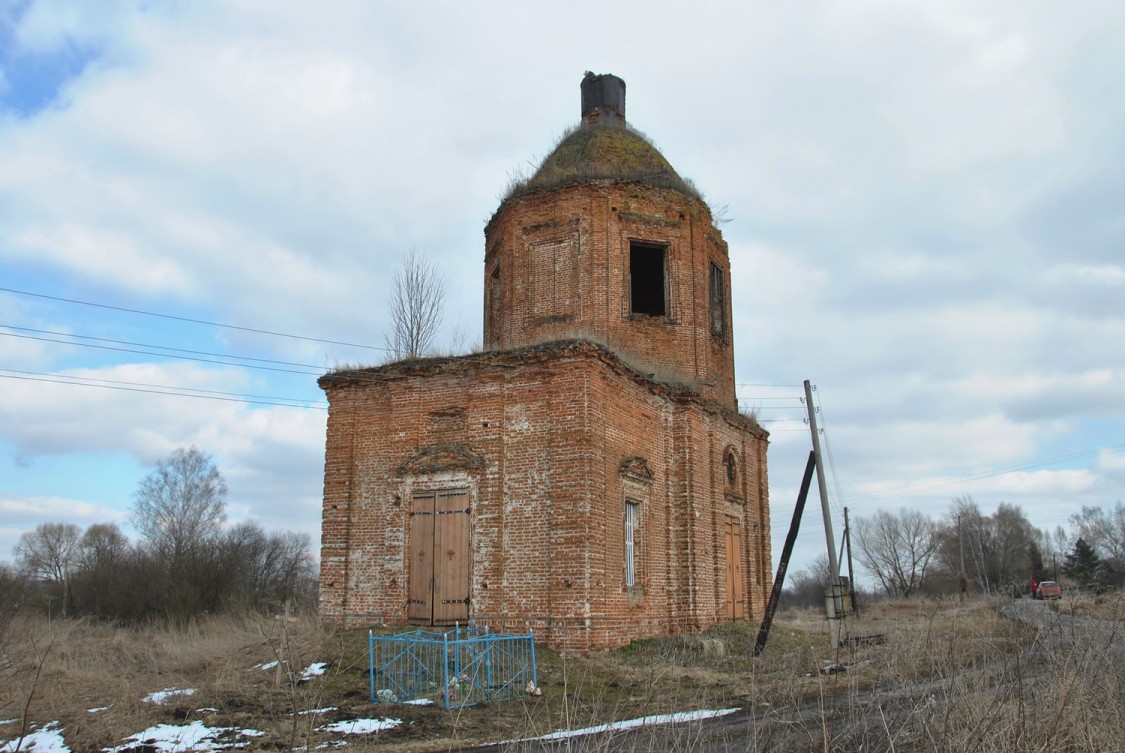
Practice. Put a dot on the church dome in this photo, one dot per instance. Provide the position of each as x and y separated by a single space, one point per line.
598 151
603 147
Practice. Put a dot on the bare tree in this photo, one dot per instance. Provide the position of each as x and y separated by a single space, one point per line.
273 568
49 552
103 545
13 586
416 307
1054 544
897 549
181 505
103 556
806 587
1105 531
999 552
965 543
1016 555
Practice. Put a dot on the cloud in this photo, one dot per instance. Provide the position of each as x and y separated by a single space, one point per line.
272 457
21 514
926 221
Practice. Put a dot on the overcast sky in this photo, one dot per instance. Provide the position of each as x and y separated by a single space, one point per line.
926 207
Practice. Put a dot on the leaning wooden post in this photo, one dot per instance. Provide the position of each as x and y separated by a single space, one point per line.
783 563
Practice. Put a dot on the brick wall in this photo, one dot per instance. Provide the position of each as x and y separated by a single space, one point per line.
557 266
549 441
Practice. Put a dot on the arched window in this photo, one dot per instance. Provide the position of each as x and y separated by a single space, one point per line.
730 467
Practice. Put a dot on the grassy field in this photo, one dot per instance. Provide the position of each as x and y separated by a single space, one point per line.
947 677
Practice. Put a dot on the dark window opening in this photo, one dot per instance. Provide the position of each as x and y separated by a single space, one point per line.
731 467
718 301
646 280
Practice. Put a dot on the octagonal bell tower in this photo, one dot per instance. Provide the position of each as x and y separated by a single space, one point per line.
606 242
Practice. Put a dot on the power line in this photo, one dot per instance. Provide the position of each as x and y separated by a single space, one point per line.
171 352
190 320
913 488
230 397
83 379
828 448
163 355
768 406
150 345
158 389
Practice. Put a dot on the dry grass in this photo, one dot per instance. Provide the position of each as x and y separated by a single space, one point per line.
947 678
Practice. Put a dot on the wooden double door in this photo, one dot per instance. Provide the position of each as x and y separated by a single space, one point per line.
439 557
736 588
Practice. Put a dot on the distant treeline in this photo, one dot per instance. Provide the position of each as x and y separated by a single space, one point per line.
908 553
186 562
102 574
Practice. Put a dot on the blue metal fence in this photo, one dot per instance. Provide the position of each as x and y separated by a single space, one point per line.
458 668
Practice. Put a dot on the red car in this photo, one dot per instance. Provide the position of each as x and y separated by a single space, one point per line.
1048 589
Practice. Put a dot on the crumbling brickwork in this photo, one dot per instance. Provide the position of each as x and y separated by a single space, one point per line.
555 439
558 265
589 475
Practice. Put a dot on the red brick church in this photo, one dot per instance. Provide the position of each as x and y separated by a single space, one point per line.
588 475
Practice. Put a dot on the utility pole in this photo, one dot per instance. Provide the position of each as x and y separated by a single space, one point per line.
851 572
822 486
834 603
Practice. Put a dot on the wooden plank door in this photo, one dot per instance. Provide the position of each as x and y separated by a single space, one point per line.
451 557
421 564
736 598
439 558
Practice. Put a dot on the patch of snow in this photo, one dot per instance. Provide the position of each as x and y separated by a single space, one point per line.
360 726
324 710
97 709
161 696
316 669
48 739
7 721
420 702
207 710
644 721
171 738
265 665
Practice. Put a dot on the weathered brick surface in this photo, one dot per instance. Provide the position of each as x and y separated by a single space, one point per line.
557 266
550 441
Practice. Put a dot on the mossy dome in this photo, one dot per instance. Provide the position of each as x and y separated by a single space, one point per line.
594 151
603 147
